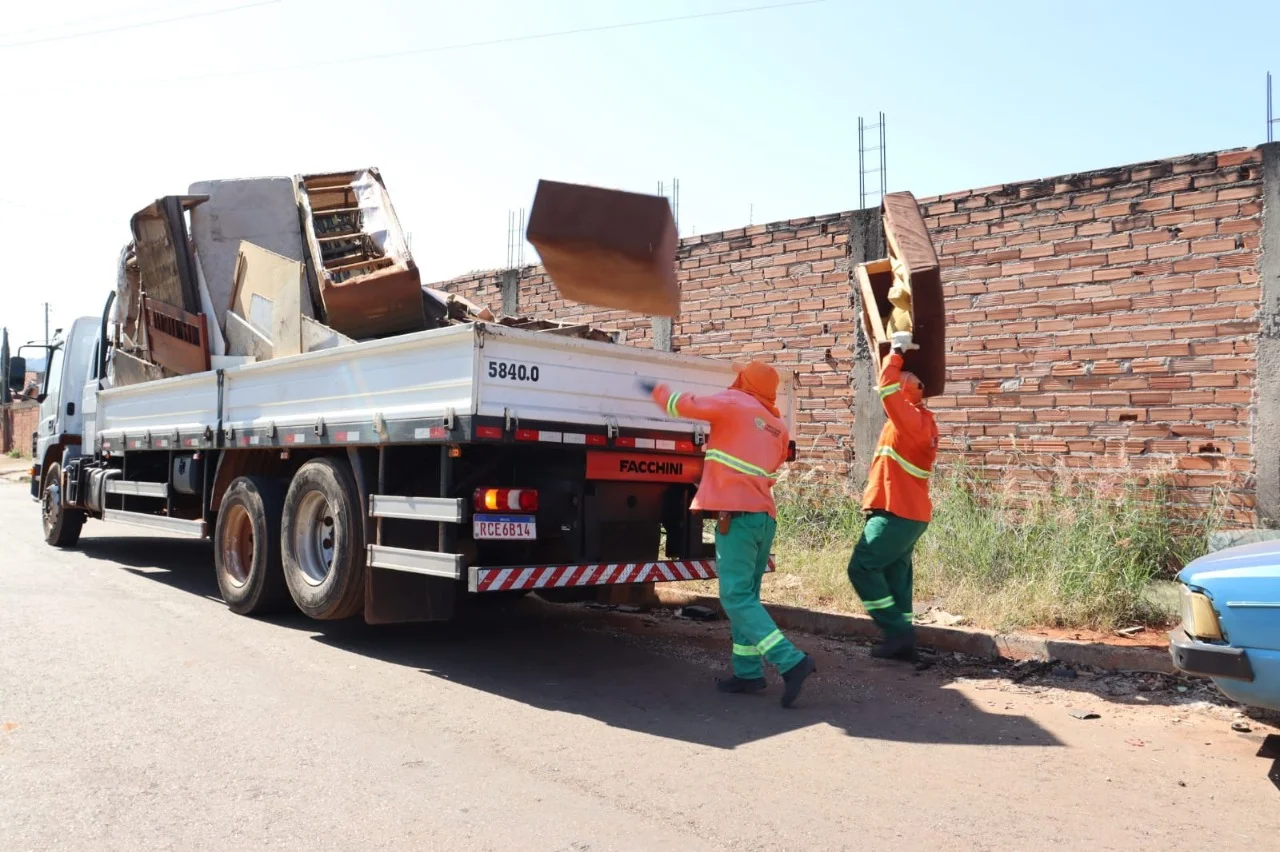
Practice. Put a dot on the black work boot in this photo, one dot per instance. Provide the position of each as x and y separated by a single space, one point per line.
899 646
793 679
738 685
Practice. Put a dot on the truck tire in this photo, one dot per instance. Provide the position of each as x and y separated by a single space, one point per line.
246 546
61 525
323 540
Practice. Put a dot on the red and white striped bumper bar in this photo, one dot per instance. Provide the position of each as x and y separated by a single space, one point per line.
606 574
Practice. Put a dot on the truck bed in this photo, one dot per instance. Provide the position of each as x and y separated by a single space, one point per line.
423 386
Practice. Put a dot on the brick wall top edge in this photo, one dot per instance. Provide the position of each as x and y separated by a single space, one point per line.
1082 178
1030 188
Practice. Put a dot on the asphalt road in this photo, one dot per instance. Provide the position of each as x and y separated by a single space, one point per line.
137 713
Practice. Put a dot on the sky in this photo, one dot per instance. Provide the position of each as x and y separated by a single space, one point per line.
107 105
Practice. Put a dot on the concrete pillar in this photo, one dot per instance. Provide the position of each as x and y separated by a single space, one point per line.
1266 419
663 327
510 288
866 242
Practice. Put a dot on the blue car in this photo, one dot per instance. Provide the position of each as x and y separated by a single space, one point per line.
1230 628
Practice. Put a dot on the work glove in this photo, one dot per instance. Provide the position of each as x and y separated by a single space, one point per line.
901 341
647 386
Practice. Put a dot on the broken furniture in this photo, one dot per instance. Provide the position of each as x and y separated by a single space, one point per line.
160 323
177 340
359 265
912 271
128 296
164 255
269 291
260 211
260 258
606 247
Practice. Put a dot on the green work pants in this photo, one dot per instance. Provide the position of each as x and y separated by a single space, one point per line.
880 569
742 557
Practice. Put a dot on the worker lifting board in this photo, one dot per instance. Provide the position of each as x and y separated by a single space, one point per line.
903 292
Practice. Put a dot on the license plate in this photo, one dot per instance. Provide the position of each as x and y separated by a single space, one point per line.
504 527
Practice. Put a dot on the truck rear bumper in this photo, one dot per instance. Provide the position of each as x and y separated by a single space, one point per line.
532 577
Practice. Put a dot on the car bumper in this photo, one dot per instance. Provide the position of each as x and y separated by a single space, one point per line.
1205 660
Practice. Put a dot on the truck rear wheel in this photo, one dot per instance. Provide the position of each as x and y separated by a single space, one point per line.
323 540
61 525
246 546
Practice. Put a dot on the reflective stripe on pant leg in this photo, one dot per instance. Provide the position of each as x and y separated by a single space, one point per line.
877 549
735 563
766 644
899 574
748 536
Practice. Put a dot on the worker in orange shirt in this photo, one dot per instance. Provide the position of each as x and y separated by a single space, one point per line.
747 445
897 506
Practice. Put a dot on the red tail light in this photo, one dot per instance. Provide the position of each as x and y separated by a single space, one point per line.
506 500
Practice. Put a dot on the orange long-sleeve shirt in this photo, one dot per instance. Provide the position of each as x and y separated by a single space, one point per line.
899 478
746 447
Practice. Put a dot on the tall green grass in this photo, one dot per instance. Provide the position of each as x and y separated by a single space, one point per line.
1075 553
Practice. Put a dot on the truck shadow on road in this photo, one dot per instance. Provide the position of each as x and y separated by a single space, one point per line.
649 674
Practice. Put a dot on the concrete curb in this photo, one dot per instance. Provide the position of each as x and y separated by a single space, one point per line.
983 644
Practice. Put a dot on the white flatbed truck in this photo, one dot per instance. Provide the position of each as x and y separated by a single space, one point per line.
388 478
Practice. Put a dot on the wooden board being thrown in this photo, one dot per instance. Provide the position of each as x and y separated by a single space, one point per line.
912 261
606 247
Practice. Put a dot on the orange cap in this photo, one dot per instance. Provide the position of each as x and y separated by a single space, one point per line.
912 387
760 381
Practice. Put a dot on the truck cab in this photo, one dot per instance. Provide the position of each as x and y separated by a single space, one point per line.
60 431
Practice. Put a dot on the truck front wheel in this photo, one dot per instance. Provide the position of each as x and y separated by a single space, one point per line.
61 525
246 546
323 540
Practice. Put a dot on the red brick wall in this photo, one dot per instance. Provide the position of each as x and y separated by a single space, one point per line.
17 422
1107 321
1104 321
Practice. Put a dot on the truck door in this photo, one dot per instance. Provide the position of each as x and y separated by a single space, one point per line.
47 430
65 377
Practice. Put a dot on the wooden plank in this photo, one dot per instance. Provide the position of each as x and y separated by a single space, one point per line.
245 340
913 261
606 247
268 293
317 336
128 369
176 340
164 255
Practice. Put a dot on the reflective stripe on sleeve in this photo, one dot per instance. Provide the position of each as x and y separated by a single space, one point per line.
735 463
891 453
890 389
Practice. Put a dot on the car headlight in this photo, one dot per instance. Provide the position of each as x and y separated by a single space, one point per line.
1198 616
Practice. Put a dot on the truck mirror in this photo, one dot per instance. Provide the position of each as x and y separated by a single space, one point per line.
17 378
